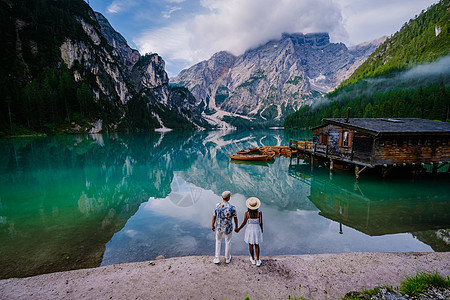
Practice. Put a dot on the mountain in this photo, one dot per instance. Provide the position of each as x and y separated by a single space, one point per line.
64 69
407 76
266 83
421 40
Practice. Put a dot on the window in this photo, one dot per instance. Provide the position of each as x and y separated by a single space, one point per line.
381 142
410 141
444 141
345 138
323 139
419 141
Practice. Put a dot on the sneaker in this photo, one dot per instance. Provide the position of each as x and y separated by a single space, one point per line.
252 260
228 260
216 260
258 263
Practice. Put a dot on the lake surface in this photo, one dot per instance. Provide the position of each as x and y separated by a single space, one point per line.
70 202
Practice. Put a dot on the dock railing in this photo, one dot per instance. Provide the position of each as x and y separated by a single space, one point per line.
304 145
321 148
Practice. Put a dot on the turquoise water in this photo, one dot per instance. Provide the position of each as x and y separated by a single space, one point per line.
71 202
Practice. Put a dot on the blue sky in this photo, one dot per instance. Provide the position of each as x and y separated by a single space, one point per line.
185 32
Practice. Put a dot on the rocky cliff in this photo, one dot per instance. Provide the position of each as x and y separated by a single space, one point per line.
268 82
125 70
66 70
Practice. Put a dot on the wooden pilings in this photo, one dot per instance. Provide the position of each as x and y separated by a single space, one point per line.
318 153
359 170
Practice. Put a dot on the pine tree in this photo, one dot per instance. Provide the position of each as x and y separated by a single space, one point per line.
84 99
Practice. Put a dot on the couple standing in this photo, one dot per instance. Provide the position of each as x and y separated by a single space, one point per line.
224 213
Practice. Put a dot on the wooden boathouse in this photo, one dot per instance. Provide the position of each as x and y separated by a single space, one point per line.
379 142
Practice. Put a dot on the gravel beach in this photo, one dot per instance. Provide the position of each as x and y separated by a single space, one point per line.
322 276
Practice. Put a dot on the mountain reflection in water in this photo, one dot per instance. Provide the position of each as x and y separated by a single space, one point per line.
72 202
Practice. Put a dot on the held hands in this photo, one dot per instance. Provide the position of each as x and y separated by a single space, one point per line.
236 230
213 228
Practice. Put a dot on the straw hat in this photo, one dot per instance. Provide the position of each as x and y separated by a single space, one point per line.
253 203
226 195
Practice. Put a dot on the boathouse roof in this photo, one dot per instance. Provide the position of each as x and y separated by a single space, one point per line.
380 126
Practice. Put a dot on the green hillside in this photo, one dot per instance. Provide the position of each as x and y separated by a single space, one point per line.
407 76
421 40
427 102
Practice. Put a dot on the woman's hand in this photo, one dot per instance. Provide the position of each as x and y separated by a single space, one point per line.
213 228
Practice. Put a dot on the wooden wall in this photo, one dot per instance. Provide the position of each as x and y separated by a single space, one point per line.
359 146
413 149
395 149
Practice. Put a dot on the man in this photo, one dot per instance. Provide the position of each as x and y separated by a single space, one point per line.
223 215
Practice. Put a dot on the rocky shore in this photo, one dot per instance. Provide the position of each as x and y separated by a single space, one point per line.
322 276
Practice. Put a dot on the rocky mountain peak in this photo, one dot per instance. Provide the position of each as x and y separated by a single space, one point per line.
272 80
118 42
222 57
320 39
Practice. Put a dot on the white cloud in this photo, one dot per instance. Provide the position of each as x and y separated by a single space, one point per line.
170 42
368 20
118 6
114 8
168 13
237 25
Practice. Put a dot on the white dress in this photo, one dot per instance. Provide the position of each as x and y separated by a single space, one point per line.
253 234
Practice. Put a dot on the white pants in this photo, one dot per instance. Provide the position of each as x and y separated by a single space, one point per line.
219 243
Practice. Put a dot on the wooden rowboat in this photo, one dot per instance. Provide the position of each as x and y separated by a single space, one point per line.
243 152
251 162
255 157
344 167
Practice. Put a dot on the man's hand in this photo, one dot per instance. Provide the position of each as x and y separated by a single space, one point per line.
236 230
213 228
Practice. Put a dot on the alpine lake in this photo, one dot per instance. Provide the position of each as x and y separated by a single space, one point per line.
83 201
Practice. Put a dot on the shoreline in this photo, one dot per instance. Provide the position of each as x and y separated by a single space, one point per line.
322 276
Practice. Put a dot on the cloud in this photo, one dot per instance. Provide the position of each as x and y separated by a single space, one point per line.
420 75
440 69
237 25
172 43
209 26
168 13
118 6
368 20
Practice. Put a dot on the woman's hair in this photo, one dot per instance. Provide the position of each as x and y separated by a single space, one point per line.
253 213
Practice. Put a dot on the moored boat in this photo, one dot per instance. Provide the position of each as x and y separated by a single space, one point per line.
254 157
243 152
251 162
